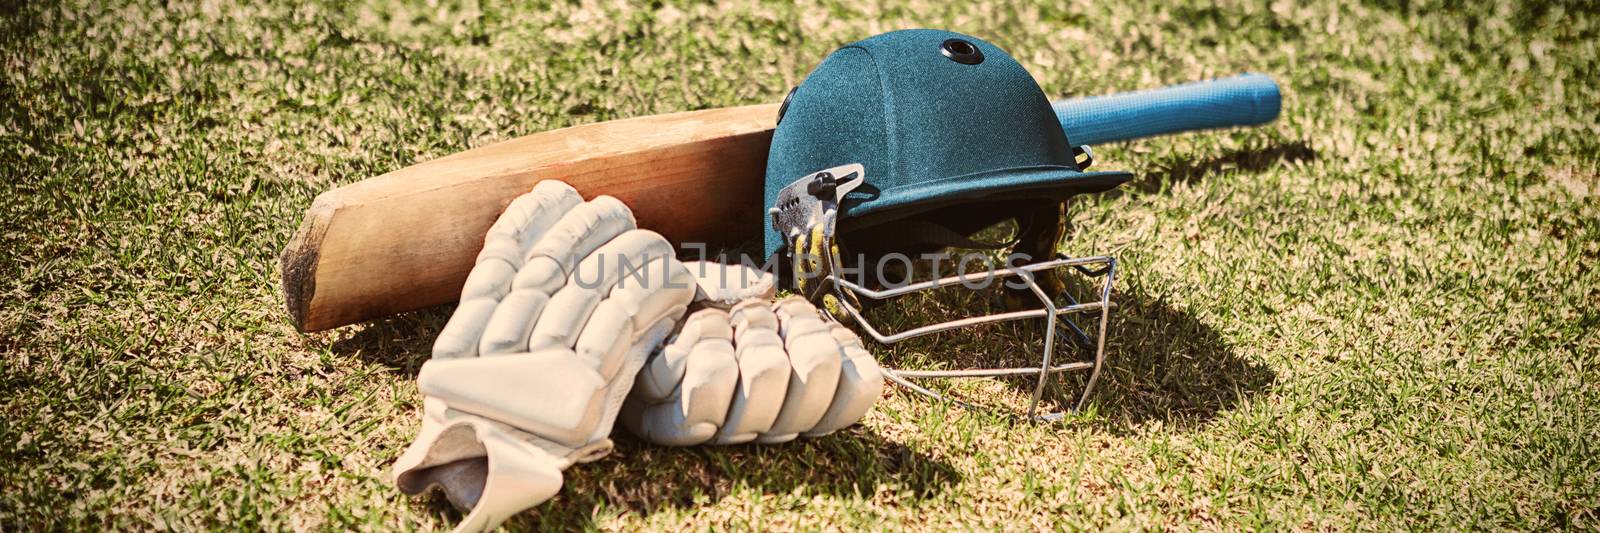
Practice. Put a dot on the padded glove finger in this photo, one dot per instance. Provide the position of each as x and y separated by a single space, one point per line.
815 359
574 237
860 384
583 231
592 279
763 373
527 219
524 222
786 372
683 394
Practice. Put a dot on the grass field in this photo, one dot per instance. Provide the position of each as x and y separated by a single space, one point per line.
1380 312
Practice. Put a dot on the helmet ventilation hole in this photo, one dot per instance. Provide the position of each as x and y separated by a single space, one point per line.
961 51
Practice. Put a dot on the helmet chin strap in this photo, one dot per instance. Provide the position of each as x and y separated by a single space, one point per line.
806 214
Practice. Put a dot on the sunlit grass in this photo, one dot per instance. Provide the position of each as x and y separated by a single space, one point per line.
1378 312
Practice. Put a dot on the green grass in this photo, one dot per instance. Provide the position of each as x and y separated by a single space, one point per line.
1379 312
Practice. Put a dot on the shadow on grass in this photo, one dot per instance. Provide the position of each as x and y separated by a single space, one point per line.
1183 170
642 479
400 343
1161 363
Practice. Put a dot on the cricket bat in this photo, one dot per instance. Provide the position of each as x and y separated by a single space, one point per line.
406 240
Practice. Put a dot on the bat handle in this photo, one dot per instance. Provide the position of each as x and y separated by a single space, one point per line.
1243 100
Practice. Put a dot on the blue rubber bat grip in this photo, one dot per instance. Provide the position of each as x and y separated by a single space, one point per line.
1243 100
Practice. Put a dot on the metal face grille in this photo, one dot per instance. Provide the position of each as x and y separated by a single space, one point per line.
1101 269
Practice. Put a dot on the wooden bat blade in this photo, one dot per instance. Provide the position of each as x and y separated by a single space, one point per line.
406 240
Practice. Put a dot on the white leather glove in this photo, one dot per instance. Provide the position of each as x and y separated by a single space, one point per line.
564 305
722 285
758 372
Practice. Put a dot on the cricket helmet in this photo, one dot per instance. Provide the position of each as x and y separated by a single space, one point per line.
915 141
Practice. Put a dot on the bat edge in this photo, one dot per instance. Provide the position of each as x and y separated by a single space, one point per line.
300 258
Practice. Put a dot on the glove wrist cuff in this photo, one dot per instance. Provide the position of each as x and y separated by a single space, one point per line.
483 470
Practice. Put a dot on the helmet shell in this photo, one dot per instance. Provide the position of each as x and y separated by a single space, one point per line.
936 118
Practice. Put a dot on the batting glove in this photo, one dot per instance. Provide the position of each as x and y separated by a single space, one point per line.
758 372
565 303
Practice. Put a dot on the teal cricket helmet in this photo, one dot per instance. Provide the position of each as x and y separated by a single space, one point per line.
935 119
916 140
